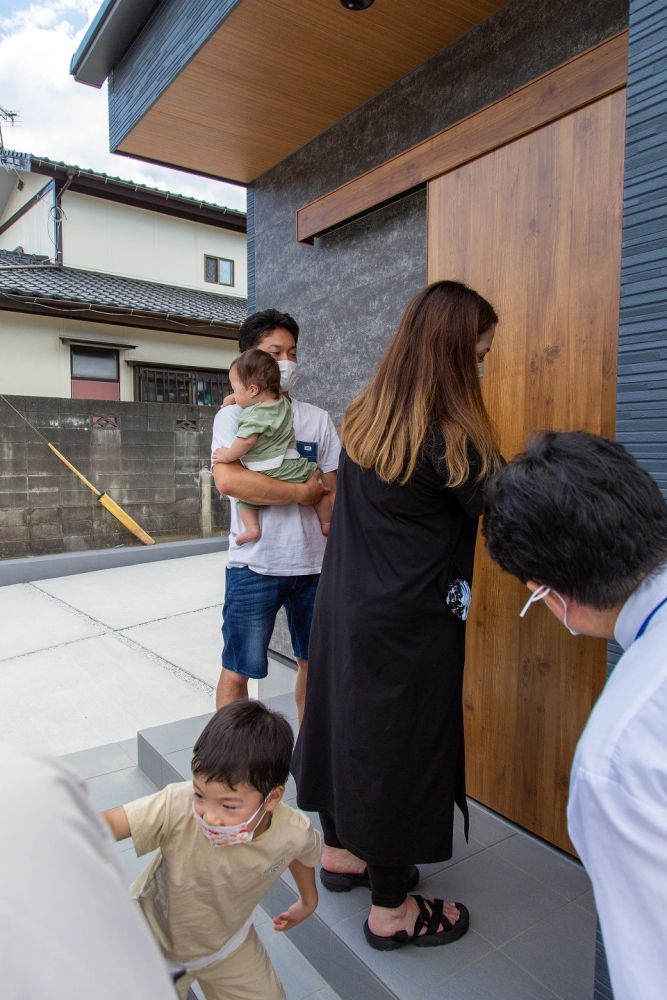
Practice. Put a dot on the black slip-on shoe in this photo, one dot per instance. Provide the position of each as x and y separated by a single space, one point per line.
335 882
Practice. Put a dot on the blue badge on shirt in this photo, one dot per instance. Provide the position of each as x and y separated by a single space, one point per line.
307 449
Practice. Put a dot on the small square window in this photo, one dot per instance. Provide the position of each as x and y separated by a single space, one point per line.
95 373
219 270
94 363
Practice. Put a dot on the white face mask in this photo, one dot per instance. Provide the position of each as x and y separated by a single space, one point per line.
288 375
542 592
480 369
229 836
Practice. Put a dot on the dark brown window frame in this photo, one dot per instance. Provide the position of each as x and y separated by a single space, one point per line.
217 281
183 377
98 350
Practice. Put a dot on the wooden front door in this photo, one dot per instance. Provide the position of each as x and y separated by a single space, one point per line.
535 226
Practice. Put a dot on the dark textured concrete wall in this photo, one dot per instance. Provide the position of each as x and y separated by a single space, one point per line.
349 290
150 463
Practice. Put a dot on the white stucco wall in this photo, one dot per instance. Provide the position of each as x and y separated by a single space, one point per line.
118 239
35 230
36 363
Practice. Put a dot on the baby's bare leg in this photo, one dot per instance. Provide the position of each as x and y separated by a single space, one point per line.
250 521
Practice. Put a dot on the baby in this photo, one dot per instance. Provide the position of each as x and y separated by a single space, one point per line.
265 439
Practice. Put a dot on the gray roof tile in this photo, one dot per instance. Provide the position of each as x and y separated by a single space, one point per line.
28 275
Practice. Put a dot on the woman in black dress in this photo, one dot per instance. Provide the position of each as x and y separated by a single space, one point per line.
380 754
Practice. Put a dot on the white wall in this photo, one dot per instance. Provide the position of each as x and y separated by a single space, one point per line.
105 236
35 230
36 363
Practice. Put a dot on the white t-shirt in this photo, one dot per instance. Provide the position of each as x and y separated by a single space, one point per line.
617 811
292 543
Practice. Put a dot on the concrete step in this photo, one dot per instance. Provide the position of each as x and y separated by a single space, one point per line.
532 933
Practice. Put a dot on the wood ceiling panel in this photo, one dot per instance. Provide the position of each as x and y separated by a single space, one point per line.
279 72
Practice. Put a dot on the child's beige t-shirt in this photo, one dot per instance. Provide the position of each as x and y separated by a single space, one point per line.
196 896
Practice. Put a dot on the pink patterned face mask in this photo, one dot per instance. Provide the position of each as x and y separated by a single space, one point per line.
229 836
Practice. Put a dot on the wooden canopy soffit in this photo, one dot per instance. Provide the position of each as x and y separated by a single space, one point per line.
586 78
278 73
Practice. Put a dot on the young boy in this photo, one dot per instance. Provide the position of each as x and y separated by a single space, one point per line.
223 841
265 439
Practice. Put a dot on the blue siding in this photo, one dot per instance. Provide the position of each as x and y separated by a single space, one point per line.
642 365
250 243
172 37
641 406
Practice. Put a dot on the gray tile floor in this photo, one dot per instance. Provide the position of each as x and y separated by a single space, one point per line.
532 933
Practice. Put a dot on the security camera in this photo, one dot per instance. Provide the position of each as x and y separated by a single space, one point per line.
357 4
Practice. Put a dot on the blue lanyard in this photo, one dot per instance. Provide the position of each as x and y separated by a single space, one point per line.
644 624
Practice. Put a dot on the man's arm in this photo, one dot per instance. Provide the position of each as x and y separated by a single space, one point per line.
621 841
329 480
254 487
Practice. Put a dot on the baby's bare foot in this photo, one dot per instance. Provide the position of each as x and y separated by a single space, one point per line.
248 536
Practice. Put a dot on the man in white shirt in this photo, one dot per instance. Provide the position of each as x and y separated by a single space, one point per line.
68 927
585 527
281 568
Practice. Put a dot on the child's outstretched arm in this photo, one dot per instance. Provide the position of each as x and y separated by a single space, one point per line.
305 904
236 450
118 822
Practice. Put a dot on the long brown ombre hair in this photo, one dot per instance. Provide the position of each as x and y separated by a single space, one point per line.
428 375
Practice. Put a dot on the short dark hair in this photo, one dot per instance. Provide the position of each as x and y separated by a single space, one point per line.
577 513
245 741
254 329
255 367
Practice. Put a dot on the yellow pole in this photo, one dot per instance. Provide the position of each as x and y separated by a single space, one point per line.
107 502
125 519
76 472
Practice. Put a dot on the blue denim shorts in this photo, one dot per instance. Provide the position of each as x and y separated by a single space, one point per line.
252 601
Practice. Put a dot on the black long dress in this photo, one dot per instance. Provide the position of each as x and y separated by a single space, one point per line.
381 747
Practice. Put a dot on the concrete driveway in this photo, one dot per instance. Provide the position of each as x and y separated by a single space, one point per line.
89 659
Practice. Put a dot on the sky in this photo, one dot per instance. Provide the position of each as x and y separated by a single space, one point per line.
64 120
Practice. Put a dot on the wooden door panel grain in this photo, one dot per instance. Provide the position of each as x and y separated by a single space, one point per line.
536 227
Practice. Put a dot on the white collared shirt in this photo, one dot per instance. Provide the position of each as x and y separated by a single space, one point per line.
617 810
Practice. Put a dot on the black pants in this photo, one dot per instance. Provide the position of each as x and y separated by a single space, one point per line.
389 884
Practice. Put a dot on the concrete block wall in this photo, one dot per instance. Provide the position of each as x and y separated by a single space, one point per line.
152 458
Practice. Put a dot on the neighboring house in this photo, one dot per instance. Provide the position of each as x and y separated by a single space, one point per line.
113 290
485 141
119 314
